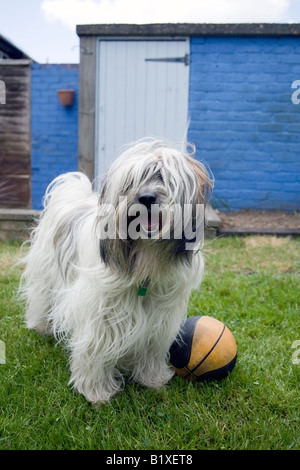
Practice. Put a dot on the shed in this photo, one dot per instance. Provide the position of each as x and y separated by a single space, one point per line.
231 82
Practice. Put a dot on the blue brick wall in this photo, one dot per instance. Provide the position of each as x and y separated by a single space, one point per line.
54 127
243 121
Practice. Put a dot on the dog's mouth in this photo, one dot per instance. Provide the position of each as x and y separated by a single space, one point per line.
151 225
144 224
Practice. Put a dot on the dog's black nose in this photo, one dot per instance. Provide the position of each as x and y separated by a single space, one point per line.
147 199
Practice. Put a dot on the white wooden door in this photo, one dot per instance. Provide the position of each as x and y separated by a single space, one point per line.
142 91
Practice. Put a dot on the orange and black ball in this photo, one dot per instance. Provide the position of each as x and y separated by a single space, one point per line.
204 349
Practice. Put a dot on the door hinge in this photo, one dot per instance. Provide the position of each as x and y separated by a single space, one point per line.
183 60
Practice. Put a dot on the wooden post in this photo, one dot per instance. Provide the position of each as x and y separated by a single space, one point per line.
87 102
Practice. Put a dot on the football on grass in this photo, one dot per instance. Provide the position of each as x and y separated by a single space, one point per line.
204 349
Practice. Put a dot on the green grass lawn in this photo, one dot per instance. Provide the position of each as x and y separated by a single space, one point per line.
252 285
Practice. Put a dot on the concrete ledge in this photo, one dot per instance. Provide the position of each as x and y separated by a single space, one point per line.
16 223
19 214
213 222
284 232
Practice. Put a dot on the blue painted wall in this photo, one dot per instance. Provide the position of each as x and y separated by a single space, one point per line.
243 121
54 127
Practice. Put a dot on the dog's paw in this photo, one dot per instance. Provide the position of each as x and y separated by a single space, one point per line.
156 381
97 391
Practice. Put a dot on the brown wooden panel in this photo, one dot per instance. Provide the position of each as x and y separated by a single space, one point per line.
14 165
14 191
15 139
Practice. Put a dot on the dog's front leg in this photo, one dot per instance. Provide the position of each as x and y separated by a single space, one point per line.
93 377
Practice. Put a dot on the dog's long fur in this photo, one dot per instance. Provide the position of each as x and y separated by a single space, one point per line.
85 291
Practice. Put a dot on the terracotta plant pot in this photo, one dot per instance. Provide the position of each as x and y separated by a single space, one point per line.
66 97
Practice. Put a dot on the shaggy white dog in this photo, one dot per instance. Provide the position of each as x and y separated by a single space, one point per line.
111 273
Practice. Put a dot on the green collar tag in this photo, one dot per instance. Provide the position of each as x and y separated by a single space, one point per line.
142 291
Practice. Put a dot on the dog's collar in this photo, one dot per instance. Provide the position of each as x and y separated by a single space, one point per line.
142 290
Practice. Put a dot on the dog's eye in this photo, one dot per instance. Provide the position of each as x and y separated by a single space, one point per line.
159 176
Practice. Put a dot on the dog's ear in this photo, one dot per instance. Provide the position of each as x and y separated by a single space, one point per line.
180 248
196 217
116 254
205 182
193 232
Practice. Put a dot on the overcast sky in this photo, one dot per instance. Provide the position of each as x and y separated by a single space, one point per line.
46 29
